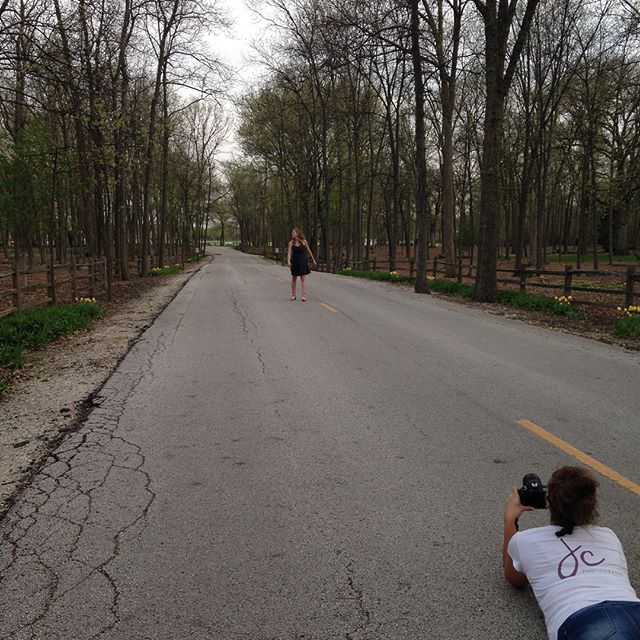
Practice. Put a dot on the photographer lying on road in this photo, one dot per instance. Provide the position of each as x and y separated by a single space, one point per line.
577 570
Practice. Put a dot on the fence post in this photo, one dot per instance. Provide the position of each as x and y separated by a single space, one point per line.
92 279
74 278
629 294
523 280
412 264
459 277
435 267
568 278
17 298
374 263
51 272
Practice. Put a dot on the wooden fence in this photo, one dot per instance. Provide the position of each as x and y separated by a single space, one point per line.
630 278
523 279
82 278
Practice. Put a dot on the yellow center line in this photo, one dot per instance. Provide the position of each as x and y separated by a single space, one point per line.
606 471
328 307
280 279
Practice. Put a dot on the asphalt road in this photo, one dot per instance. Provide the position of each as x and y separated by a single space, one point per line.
260 469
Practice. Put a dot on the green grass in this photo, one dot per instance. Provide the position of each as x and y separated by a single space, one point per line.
442 286
525 301
447 286
532 302
383 276
628 326
165 271
23 330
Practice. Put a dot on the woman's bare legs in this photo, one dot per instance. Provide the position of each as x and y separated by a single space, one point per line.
304 288
293 287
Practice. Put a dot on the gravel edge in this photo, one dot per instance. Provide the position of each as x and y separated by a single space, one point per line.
21 462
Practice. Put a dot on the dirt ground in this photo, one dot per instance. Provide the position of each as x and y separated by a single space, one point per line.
53 391
586 328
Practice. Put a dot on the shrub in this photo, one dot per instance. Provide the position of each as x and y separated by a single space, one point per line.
24 330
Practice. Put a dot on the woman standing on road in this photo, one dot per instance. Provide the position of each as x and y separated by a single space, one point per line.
297 253
578 571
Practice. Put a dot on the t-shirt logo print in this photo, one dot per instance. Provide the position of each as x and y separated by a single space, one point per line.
572 557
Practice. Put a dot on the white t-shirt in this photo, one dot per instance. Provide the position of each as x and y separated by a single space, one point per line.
573 572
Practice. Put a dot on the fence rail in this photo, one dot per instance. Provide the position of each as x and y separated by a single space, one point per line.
83 278
460 271
70 280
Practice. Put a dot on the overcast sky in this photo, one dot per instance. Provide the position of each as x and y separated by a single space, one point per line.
235 49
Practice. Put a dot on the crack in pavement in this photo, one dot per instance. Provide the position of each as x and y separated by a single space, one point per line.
363 612
195 279
245 320
91 494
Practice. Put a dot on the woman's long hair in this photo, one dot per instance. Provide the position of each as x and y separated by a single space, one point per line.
300 237
571 493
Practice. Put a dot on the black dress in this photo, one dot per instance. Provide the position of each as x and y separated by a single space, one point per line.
299 264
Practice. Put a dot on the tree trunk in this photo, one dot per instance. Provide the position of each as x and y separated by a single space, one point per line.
165 171
497 27
448 187
422 211
486 288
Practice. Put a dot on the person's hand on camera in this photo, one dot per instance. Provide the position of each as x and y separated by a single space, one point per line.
513 508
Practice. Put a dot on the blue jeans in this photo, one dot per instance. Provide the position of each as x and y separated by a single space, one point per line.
615 620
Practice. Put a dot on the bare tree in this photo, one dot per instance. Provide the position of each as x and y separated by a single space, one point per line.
422 211
500 66
444 20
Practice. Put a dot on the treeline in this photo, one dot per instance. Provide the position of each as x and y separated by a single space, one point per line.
531 130
109 129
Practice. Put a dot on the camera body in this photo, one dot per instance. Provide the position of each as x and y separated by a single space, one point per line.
532 492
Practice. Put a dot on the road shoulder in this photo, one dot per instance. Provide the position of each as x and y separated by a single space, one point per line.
54 391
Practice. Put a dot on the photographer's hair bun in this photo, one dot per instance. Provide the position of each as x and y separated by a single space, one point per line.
572 498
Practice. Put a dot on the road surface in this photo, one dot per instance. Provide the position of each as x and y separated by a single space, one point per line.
260 469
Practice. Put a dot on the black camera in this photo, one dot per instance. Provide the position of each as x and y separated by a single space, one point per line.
532 493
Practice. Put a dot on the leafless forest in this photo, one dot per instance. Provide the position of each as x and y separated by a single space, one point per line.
492 129
497 128
110 126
